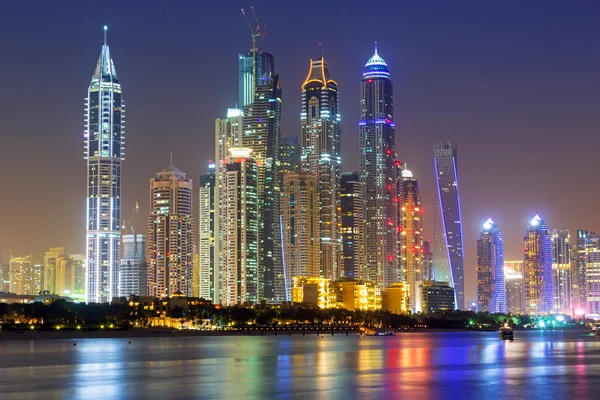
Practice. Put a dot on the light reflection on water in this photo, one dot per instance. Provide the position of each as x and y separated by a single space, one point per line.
412 365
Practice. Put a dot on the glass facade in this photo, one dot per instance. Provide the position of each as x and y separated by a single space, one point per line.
449 258
537 268
104 151
352 198
491 289
562 283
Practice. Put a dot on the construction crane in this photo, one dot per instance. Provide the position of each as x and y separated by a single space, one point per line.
127 224
255 30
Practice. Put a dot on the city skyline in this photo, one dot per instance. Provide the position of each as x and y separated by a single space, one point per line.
26 242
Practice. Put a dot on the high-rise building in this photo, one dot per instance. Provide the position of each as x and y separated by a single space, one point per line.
207 274
410 238
588 253
320 123
104 138
261 134
427 261
170 247
537 267
434 296
22 276
352 200
448 253
290 155
255 67
300 226
378 169
562 283
133 271
228 135
580 255
239 256
54 259
514 265
491 290
513 281
4 274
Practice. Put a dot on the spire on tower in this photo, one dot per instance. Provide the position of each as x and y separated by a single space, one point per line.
105 29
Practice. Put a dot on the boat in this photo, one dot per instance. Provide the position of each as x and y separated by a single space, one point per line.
506 332
379 332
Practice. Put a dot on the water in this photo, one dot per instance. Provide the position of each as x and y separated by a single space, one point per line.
460 365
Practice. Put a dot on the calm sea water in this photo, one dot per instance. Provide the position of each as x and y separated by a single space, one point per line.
456 365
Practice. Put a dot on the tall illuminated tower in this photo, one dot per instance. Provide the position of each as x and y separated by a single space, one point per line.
170 240
448 252
208 274
378 169
491 291
537 267
104 150
411 236
562 282
320 121
352 196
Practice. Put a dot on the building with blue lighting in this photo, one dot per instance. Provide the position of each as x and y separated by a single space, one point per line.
104 150
537 267
320 138
448 251
255 68
491 292
378 170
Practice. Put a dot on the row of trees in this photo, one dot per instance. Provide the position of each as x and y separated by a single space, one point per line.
63 313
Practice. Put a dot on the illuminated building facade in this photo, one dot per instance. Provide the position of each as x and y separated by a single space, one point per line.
261 134
54 259
207 273
320 138
290 155
434 296
239 255
427 261
588 250
104 150
515 265
448 252
133 269
228 135
312 291
255 67
583 243
491 290
396 298
346 293
410 238
300 227
352 201
22 276
170 248
537 268
562 284
378 169
513 281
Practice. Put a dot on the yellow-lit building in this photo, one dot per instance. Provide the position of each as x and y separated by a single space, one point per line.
311 291
396 298
344 293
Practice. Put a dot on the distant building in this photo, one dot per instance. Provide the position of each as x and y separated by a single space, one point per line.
588 253
208 275
239 257
255 67
133 271
22 276
396 298
346 293
300 227
448 240
54 259
290 155
352 199
537 268
170 248
583 253
562 283
513 281
434 296
491 292
427 261
312 291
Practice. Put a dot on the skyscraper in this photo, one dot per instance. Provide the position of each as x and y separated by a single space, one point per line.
588 251
239 255
255 68
537 267
448 252
562 283
104 137
320 123
491 290
427 261
300 226
410 238
352 199
208 275
170 247
580 254
133 271
514 291
53 258
289 155
261 134
22 276
378 163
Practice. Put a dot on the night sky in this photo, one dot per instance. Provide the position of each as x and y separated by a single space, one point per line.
514 84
